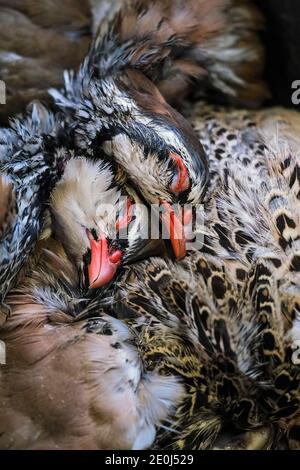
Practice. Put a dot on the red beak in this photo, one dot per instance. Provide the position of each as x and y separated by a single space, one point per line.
175 230
102 267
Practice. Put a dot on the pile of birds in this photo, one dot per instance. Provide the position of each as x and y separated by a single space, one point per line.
134 343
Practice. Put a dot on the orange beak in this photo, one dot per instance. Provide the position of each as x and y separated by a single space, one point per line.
102 267
175 230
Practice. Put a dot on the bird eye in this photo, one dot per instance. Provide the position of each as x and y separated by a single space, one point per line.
181 182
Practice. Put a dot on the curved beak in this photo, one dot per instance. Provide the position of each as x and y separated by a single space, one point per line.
175 229
102 267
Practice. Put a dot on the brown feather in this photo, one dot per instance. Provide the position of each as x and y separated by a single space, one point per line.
215 42
38 41
7 204
68 383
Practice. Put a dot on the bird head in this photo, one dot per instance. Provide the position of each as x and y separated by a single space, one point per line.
127 118
99 220
145 56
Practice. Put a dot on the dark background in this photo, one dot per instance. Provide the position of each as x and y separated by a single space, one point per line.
282 38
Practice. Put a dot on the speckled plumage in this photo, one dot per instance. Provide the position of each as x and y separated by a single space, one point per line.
226 319
251 207
193 322
31 160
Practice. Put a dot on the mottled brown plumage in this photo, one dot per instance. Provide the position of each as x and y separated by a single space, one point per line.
216 45
73 378
193 322
226 319
213 43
